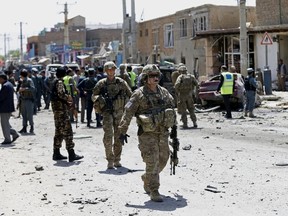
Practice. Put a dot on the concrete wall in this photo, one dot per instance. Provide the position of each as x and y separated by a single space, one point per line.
271 12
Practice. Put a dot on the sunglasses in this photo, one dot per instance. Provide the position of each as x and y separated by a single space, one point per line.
153 75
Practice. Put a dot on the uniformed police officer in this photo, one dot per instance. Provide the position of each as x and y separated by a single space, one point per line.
153 107
114 93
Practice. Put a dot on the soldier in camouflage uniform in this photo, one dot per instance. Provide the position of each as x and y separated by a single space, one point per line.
27 100
153 107
61 101
184 88
113 93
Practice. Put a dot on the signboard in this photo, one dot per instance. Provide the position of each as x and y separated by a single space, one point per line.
266 40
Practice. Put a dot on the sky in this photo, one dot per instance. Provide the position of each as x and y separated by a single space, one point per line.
35 15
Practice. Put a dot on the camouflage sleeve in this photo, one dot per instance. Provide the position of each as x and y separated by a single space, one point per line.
127 89
195 82
61 90
130 109
177 83
98 86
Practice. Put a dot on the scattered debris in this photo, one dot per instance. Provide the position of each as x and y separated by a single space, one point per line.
212 189
28 173
281 164
39 168
188 147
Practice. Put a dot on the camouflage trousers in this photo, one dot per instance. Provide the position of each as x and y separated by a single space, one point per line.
155 152
63 130
111 133
185 103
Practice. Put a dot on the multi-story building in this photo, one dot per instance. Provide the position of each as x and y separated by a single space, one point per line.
203 38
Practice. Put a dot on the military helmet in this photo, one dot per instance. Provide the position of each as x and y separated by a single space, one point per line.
122 66
148 69
109 65
182 69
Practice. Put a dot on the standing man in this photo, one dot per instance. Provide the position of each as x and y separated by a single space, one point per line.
111 94
6 108
61 101
48 84
133 77
27 98
226 88
184 88
153 107
250 87
281 74
86 86
124 75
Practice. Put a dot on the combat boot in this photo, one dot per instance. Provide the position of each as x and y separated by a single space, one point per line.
110 165
145 186
155 196
251 115
57 155
185 126
117 164
31 129
88 124
72 156
246 113
195 125
23 130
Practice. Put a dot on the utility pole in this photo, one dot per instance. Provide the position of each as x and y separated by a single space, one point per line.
243 37
124 33
21 41
6 38
66 45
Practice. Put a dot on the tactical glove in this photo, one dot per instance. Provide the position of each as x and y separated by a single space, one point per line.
124 138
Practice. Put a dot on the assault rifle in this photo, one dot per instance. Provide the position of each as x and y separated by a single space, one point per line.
73 107
175 146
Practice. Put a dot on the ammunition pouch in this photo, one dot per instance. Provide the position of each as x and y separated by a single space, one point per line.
169 117
146 122
98 103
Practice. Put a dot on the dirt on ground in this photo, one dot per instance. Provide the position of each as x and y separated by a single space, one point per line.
226 167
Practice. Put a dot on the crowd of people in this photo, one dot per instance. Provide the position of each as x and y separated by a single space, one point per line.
115 97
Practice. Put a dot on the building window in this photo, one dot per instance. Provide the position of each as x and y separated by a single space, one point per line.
155 35
168 35
195 27
140 33
146 32
183 28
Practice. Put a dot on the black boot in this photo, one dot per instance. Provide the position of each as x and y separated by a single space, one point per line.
88 123
57 155
31 129
72 156
23 130
99 124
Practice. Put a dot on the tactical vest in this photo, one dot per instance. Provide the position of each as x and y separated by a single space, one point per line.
186 82
227 87
247 85
89 85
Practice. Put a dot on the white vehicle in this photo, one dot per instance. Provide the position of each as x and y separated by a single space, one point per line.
73 66
52 67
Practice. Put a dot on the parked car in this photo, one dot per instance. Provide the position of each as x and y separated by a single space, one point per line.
52 67
207 92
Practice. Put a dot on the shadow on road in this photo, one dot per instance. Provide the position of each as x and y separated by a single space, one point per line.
168 204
